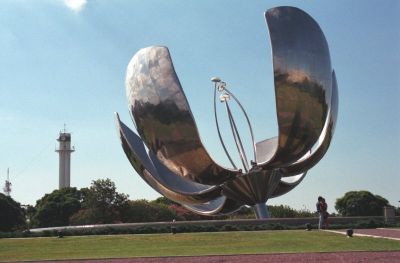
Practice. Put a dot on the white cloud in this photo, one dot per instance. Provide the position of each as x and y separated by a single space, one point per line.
75 5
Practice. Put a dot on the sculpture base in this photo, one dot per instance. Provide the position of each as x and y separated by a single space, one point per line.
261 211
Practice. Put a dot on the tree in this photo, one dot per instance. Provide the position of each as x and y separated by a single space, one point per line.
285 211
145 211
101 204
360 203
84 216
11 214
165 201
56 208
30 212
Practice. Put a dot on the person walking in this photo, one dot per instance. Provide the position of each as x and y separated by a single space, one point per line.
325 214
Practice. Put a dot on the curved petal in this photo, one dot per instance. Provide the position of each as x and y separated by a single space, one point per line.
164 120
219 206
266 149
165 182
325 139
284 186
302 76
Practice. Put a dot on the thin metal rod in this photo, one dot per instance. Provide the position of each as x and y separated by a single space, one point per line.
219 132
237 139
248 123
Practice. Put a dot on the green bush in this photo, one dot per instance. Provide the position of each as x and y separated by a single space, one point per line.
114 230
228 228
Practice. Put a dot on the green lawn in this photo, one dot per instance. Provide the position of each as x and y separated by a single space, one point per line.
119 246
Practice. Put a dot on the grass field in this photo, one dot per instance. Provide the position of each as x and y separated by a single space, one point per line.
218 243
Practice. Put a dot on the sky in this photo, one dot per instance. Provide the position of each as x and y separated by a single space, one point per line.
64 62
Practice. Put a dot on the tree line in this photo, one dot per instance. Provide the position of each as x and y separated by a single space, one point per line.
102 204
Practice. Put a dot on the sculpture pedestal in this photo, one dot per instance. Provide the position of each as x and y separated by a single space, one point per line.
261 211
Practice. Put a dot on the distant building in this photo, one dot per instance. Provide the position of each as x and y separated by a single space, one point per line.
64 150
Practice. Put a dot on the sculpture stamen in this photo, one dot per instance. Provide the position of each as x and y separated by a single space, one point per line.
224 98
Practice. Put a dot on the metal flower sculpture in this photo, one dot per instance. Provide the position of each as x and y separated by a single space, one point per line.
176 163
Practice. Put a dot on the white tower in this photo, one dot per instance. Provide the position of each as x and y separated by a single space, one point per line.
64 150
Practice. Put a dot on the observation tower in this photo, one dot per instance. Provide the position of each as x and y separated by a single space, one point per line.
64 151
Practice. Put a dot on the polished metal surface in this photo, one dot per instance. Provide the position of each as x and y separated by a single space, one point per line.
219 206
266 149
284 186
325 139
164 120
165 182
252 188
261 210
176 163
302 77
196 197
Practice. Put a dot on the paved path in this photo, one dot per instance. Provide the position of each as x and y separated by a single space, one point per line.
389 233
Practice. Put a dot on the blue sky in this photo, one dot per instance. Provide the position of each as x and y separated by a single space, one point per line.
66 64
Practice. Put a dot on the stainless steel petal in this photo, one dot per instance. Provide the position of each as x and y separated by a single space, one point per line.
284 187
219 206
178 183
172 186
325 139
302 77
164 120
266 149
335 101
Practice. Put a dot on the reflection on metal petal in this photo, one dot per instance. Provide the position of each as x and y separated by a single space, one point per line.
266 149
284 186
335 101
219 206
292 179
326 137
176 188
302 73
164 120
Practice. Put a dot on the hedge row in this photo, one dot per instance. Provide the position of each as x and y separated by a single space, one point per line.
185 229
